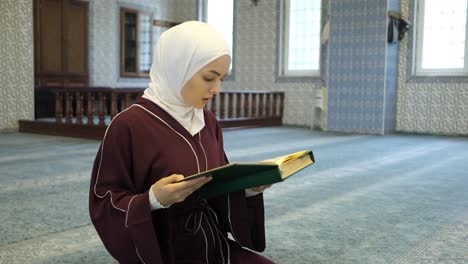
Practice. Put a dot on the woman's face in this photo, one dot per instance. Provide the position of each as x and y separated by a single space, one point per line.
199 90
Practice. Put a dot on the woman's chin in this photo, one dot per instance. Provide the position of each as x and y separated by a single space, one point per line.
200 106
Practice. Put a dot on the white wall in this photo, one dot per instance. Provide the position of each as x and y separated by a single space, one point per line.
255 50
255 59
104 40
16 63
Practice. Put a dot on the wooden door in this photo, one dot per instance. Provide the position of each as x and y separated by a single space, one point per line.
60 48
61 42
49 37
76 39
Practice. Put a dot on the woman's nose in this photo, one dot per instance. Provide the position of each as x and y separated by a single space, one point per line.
216 89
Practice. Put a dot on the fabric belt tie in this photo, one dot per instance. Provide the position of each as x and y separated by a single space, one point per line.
202 218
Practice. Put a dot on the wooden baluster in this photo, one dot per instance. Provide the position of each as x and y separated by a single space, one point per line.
268 105
89 109
260 109
246 104
230 105
254 105
213 105
101 109
222 110
68 107
58 107
275 95
127 100
79 108
238 104
114 109
281 105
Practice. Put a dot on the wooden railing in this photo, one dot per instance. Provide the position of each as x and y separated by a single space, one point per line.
247 105
89 108
92 104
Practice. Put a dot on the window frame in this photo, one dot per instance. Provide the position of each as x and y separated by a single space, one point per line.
284 45
418 47
139 13
203 16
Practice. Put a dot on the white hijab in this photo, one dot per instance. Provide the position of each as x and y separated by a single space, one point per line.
180 53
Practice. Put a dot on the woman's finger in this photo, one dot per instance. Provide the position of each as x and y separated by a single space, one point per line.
197 186
189 191
187 185
171 179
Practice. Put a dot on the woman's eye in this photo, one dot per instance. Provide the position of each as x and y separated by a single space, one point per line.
208 79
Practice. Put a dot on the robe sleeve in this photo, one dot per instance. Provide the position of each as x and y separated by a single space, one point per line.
119 212
245 217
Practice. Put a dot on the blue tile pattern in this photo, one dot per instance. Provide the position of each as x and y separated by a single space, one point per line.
357 66
391 83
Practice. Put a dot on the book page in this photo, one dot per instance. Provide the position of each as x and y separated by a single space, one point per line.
290 168
284 159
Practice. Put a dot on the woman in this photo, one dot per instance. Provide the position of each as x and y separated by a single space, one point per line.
141 214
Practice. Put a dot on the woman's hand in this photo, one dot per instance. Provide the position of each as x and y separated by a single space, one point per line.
260 188
168 192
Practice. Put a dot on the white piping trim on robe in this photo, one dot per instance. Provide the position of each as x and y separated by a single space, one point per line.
198 166
227 244
204 153
138 254
99 167
100 162
128 210
218 233
194 153
206 244
229 218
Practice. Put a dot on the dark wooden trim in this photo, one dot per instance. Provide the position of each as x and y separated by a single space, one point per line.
250 122
52 75
137 73
60 88
85 40
64 37
164 23
137 48
238 105
222 109
250 92
99 103
122 90
37 46
213 105
65 130
97 131
122 33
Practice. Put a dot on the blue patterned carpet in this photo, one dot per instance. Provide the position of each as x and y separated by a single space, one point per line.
368 199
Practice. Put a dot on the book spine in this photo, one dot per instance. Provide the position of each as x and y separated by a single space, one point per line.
312 156
241 183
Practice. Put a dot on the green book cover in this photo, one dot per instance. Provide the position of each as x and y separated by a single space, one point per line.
244 175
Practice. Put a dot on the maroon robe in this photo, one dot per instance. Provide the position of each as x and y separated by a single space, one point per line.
144 144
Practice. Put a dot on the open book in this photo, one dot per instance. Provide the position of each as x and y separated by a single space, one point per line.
243 175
